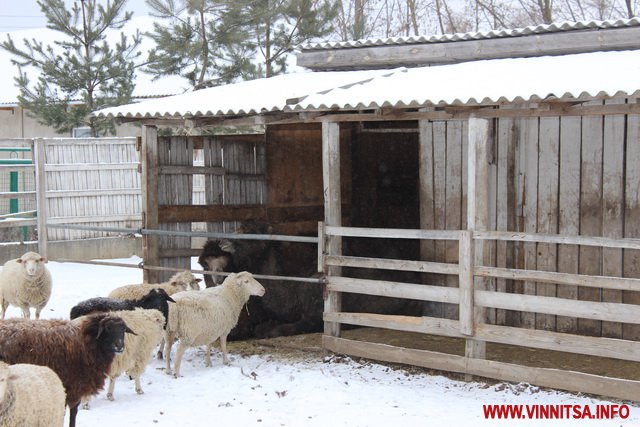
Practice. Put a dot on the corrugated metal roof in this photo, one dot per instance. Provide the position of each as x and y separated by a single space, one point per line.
470 83
480 35
244 98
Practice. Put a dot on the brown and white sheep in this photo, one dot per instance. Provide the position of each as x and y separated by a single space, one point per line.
179 282
79 351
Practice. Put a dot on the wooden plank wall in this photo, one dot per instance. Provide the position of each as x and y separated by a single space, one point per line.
557 175
243 181
174 189
92 182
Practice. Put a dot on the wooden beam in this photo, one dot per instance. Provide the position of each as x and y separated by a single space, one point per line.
215 213
40 160
332 212
545 377
557 43
149 188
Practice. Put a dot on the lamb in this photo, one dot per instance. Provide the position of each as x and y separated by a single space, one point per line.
181 281
138 348
25 282
200 318
80 351
30 395
155 299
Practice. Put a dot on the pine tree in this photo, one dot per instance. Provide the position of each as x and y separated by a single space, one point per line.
81 72
212 42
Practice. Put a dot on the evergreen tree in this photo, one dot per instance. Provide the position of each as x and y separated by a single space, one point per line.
81 72
211 42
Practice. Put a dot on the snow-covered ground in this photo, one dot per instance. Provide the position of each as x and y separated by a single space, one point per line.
267 391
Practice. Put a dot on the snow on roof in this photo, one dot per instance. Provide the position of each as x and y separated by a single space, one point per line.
145 86
479 35
248 97
469 83
491 81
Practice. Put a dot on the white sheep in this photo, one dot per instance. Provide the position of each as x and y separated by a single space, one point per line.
179 282
25 282
200 318
30 395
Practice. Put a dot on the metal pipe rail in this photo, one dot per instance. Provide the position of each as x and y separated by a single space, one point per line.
315 280
231 236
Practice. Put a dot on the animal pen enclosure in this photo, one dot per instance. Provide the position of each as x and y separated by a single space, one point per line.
508 212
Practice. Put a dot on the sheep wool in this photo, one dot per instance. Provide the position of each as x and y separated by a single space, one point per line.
25 282
201 318
148 326
179 282
30 395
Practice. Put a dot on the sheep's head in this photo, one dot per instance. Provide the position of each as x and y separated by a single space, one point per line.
31 262
217 256
185 281
247 282
110 333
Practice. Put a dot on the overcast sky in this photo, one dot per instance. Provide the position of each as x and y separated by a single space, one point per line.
22 14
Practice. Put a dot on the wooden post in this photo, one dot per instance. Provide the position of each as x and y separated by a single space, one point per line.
332 212
40 159
478 212
149 187
465 263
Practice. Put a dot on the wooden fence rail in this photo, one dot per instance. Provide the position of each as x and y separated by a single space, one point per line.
470 299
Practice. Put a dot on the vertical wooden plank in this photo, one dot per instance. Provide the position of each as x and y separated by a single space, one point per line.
426 183
613 206
529 137
478 211
591 213
427 205
214 184
569 212
632 216
40 161
439 187
549 146
506 208
466 283
453 203
149 189
332 211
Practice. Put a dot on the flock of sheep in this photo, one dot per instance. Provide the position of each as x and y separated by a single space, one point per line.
47 364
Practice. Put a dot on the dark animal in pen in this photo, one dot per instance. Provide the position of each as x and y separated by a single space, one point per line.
157 299
290 308
79 351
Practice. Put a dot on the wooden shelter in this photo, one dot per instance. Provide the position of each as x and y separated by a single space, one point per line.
509 187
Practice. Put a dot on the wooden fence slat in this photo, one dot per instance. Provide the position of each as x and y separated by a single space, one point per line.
612 204
453 203
393 289
631 258
591 213
528 134
532 338
545 377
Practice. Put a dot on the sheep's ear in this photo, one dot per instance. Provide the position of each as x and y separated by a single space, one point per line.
128 330
198 280
100 329
170 299
227 246
19 261
44 260
13 377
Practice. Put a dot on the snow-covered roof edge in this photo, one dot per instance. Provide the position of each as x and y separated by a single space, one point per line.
479 35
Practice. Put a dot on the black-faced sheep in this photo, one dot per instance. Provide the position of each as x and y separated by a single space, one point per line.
30 395
182 281
201 318
25 282
79 351
138 348
155 299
